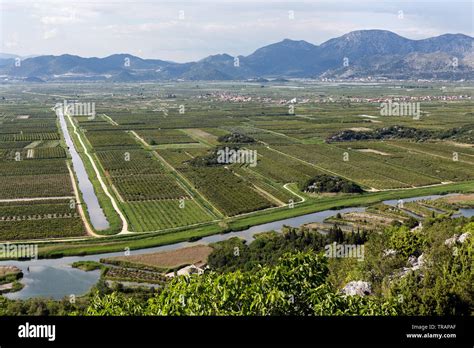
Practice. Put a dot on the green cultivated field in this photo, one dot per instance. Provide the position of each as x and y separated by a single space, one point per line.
146 150
33 168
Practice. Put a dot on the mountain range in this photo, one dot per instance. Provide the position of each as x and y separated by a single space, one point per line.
358 54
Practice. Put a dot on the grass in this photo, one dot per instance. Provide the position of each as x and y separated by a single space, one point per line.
129 242
88 266
9 274
15 286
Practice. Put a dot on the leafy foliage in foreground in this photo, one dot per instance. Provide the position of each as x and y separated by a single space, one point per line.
296 285
444 286
304 283
267 248
405 241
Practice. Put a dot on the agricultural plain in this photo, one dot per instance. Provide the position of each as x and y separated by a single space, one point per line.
155 148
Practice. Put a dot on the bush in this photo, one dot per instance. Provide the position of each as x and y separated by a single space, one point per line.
296 285
406 242
328 183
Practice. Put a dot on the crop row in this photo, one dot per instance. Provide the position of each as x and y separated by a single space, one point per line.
158 215
165 136
355 166
137 175
13 144
29 154
43 228
39 167
134 275
29 137
148 187
226 191
129 162
420 164
447 151
49 152
41 185
37 208
270 165
111 139
175 157
276 190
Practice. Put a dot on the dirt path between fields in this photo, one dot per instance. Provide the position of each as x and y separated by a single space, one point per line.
12 200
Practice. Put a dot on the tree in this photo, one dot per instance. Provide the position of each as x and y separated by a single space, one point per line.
296 285
406 242
442 288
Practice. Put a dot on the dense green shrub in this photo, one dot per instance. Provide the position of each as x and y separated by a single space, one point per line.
328 183
296 285
406 242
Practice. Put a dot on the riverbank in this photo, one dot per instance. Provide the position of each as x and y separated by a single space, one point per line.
56 278
94 210
149 240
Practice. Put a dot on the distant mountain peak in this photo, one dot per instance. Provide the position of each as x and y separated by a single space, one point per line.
221 57
367 32
292 43
367 35
295 41
368 52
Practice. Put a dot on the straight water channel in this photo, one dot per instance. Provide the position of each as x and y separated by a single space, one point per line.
96 214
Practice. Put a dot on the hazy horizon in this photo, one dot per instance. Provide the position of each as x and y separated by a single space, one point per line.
216 53
187 31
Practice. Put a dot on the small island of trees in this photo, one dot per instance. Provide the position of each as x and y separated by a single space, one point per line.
327 183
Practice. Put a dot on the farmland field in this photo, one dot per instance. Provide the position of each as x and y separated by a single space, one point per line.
151 152
166 260
163 214
36 191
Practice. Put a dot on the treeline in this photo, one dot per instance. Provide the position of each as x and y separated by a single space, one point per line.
295 285
305 282
411 272
236 138
234 254
417 269
328 183
211 159
464 134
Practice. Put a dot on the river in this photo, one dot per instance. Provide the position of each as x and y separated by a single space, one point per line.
55 278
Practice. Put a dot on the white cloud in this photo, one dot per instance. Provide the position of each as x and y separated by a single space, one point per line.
49 34
55 20
100 28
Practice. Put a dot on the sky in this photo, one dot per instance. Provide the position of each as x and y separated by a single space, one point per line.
190 30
